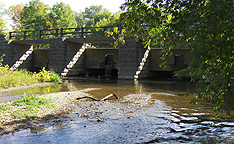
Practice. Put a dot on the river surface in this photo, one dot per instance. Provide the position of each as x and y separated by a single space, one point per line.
146 112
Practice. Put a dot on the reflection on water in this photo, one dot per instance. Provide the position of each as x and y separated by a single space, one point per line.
35 91
147 112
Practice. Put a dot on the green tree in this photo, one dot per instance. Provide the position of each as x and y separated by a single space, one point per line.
90 13
80 19
112 20
35 16
207 25
2 26
2 21
97 16
64 16
14 12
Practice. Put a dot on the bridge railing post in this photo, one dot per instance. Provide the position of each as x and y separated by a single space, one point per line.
39 34
10 35
57 32
61 32
104 30
25 35
82 32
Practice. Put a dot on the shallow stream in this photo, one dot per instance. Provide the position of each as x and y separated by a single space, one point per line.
147 112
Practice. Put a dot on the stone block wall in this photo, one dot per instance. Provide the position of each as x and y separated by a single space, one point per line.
7 50
57 55
61 53
72 49
13 52
130 55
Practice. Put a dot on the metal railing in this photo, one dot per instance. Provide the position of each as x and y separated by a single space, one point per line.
81 32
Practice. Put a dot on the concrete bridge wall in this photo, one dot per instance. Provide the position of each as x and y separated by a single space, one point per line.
177 61
13 52
126 59
95 58
61 53
130 55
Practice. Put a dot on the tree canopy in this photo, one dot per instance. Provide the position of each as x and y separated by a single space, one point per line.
97 15
2 26
208 25
2 22
37 15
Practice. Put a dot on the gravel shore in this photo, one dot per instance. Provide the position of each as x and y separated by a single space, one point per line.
64 101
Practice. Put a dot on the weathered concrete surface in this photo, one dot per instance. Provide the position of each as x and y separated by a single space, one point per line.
7 50
40 58
95 58
92 40
177 61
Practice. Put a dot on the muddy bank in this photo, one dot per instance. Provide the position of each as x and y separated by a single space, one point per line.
63 101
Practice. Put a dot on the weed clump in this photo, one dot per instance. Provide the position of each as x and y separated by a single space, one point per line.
15 78
47 76
31 105
4 108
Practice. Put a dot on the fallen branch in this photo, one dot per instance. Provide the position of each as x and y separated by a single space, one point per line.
103 99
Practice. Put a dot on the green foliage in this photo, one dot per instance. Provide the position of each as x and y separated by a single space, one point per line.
36 15
32 104
32 101
206 25
2 26
64 16
15 78
2 22
4 108
48 76
111 20
97 16
10 78
14 12
117 34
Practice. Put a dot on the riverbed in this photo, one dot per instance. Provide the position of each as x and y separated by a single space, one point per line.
146 112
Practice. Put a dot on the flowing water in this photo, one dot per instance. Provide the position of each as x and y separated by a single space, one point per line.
147 112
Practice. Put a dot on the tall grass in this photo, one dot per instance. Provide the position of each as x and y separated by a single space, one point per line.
15 78
10 78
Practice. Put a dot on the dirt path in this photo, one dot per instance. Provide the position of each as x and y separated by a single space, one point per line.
64 101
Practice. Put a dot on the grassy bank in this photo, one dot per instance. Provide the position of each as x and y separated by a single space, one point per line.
10 78
36 111
27 106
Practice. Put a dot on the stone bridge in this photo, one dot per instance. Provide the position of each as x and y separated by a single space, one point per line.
69 56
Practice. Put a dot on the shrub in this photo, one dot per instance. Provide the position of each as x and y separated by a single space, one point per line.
10 78
48 76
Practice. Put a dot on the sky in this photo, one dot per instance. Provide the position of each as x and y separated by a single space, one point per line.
76 5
